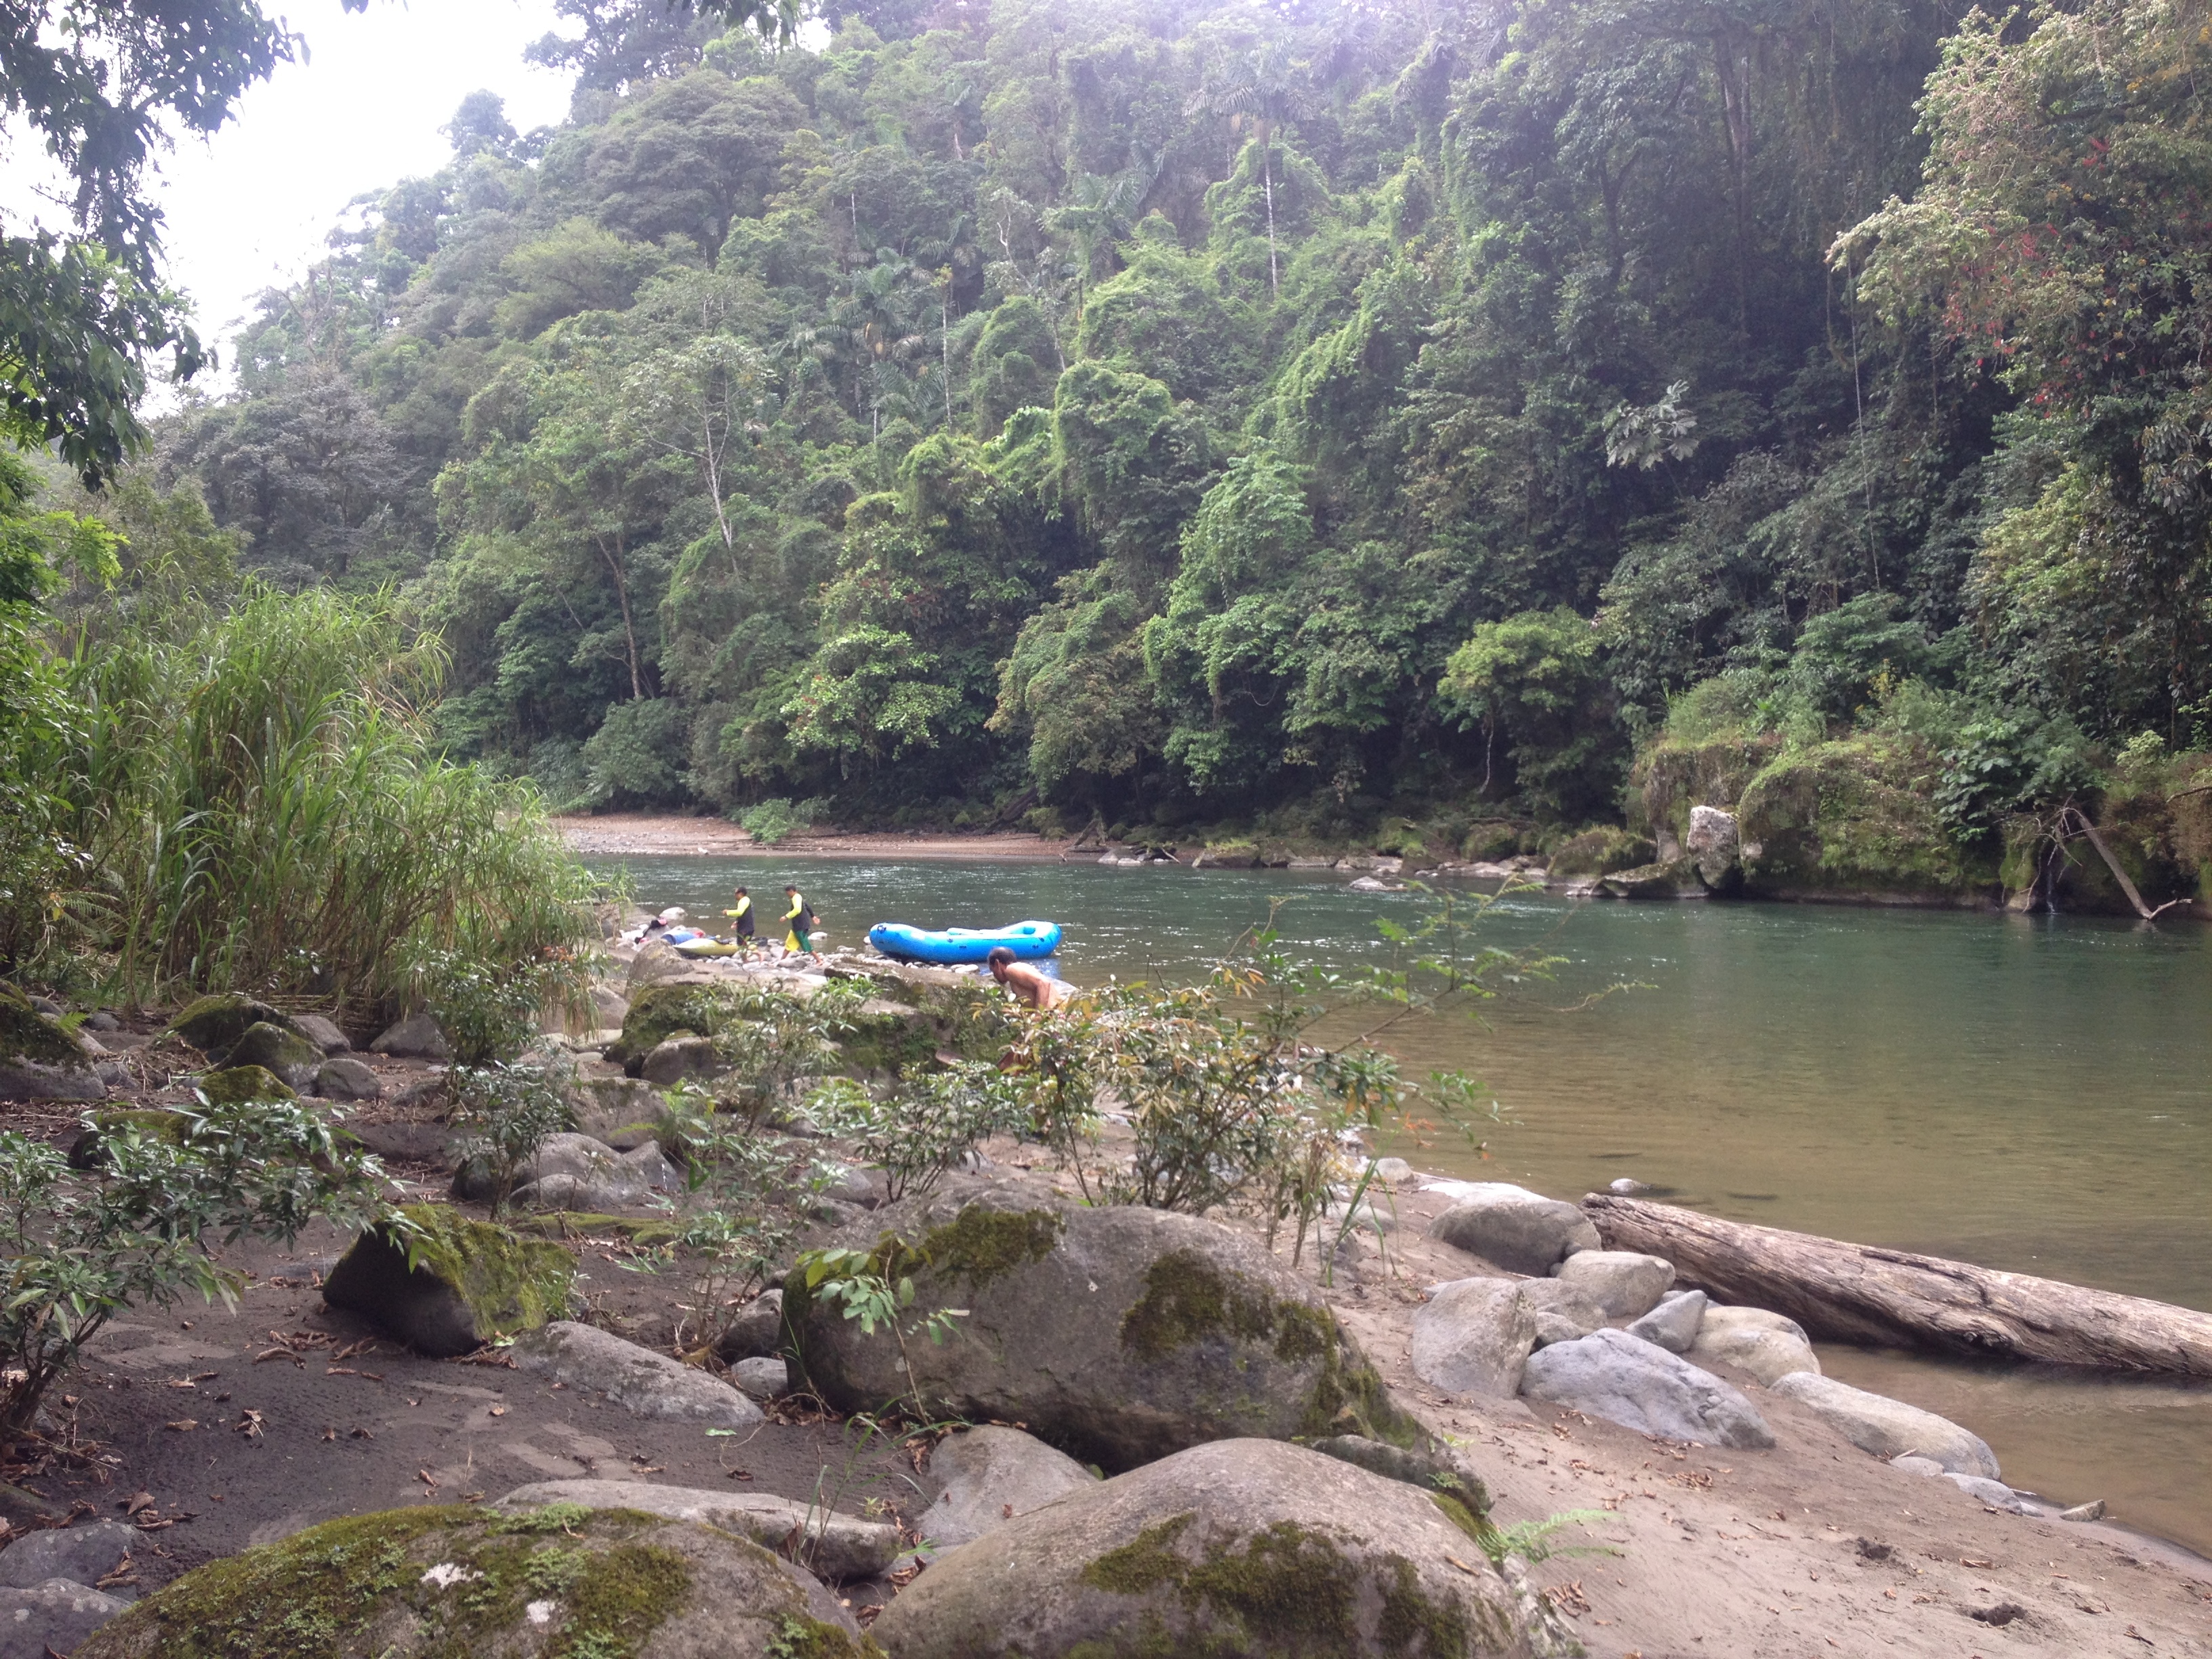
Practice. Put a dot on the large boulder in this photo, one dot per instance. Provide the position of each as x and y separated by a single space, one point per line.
1118 1333
1769 1346
469 1282
1888 1428
571 1171
992 1474
1674 1323
836 1547
677 1058
40 1060
441 1580
343 1077
58 1615
1628 1381
1626 1285
1243 1549
641 1381
1473 1336
276 1049
81 1554
1712 847
233 1085
1562 1311
323 1031
415 1038
695 1004
1513 1228
212 1024
754 1330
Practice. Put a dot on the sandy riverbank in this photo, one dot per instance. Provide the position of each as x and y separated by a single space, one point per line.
647 833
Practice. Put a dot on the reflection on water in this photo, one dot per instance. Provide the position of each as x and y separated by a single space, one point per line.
2028 1094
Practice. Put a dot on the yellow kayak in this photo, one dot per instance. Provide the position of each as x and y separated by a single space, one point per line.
708 947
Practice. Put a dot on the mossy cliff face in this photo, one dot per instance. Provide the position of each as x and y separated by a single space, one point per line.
451 1582
1850 818
1229 1551
1120 1334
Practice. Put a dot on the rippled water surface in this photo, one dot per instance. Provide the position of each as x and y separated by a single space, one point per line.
2028 1094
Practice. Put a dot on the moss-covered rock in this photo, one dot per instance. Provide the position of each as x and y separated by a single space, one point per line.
657 1012
26 1033
1228 855
1855 818
212 1024
1119 1333
440 1582
1601 851
591 1224
1240 1549
234 1084
453 1283
39 1058
153 1124
276 1049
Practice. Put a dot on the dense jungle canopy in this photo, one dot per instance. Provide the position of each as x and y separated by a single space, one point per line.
1170 412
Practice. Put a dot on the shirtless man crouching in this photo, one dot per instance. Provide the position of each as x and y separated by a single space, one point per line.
1035 988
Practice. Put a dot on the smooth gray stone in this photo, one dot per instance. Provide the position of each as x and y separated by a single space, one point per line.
992 1474
1769 1346
1562 1313
323 1031
1626 1380
1995 1493
1473 1336
2092 1511
675 1058
761 1379
1674 1323
1514 1229
1913 1464
54 1617
347 1078
83 1554
1626 1285
416 1037
756 1331
643 1383
1875 1423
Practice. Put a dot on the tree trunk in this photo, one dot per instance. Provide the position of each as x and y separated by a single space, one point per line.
1861 1293
1267 181
616 565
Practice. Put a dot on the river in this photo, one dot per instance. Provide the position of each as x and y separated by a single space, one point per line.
2033 1094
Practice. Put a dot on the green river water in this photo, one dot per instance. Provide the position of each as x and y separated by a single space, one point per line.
2033 1094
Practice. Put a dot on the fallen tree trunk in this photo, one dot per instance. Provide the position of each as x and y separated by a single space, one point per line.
1861 1293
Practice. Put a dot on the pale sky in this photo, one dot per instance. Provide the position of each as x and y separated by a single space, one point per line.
250 208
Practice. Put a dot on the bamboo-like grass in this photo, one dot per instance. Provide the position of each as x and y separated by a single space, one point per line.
265 808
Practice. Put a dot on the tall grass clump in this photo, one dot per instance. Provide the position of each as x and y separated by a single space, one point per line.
262 805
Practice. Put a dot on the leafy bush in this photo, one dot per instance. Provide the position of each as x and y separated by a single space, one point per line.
1231 1099
487 1011
922 1125
2000 765
636 758
503 1115
81 1246
768 821
748 1194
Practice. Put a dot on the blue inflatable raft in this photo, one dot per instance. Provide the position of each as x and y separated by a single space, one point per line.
1029 941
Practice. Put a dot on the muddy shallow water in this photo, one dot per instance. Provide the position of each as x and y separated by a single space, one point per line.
2029 1094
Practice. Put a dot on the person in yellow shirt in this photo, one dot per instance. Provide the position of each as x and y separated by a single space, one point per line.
741 920
798 921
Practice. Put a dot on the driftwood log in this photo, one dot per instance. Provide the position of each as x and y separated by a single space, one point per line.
1861 1293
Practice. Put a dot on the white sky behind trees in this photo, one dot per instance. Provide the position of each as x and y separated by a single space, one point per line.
249 209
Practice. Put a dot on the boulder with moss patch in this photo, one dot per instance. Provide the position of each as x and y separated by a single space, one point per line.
276 1049
694 1006
233 1085
148 1123
212 1024
448 1284
1118 1333
39 1058
439 1580
1243 1549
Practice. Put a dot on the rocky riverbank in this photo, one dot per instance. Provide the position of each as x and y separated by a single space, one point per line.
1197 1434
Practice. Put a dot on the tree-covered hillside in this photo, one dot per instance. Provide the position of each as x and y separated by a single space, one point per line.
1172 412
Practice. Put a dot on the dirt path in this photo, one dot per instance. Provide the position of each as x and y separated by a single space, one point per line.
615 834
